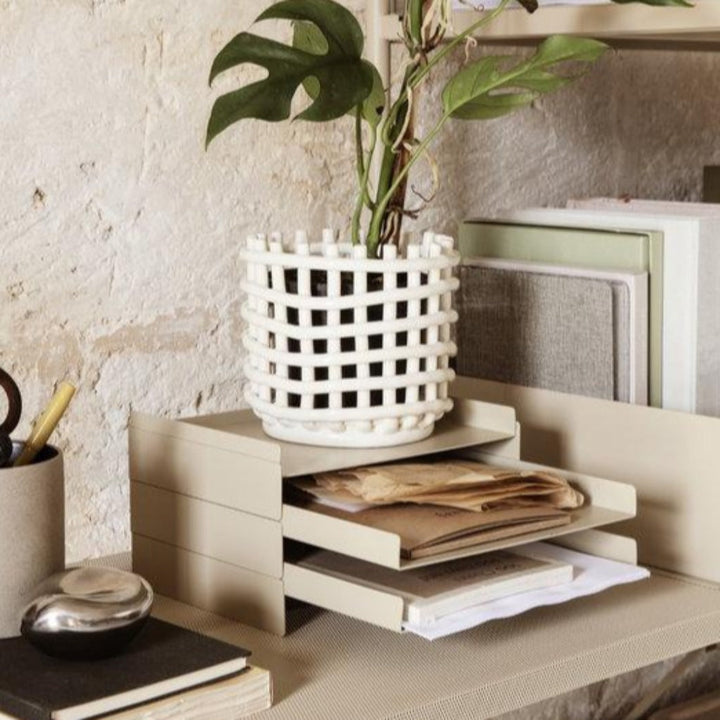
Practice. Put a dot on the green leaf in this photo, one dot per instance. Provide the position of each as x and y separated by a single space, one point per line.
488 107
542 81
309 38
375 102
563 48
344 80
341 30
493 86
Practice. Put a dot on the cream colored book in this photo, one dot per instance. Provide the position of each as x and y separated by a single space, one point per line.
438 590
235 697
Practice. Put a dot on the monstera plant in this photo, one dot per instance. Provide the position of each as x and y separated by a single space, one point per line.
348 339
325 60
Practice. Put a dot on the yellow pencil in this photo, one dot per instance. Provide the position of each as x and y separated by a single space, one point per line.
45 424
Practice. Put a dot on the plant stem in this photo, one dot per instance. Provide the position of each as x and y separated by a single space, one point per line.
395 164
486 19
364 196
380 210
393 124
359 156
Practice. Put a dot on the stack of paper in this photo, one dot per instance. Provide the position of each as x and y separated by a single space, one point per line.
441 600
432 592
440 507
464 484
591 575
429 530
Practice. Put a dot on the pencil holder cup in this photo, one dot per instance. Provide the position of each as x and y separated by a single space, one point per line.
32 532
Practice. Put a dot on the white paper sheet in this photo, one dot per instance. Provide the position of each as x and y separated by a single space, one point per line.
351 507
592 575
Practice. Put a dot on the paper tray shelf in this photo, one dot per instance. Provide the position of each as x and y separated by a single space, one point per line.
208 519
607 502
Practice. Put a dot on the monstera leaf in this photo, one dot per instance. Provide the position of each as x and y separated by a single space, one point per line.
344 79
489 88
309 37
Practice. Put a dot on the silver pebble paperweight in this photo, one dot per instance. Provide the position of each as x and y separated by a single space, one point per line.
87 612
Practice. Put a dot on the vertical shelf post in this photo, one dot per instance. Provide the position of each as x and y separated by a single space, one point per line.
378 49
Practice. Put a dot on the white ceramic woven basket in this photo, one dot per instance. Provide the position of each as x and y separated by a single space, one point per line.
344 350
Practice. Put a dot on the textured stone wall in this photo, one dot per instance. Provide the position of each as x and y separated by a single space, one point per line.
119 232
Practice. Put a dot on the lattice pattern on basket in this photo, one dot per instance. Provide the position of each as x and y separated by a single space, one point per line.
341 343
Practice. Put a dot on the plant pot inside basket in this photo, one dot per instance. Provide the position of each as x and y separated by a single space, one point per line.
361 358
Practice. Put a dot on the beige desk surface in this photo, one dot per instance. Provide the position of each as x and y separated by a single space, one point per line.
333 668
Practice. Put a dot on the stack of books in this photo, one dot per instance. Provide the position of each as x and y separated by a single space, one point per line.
166 673
607 298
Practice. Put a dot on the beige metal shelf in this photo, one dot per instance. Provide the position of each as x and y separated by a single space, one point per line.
330 666
607 502
700 23
669 457
467 425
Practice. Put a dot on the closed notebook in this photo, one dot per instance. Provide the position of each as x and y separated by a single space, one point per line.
576 330
237 696
438 590
163 659
534 236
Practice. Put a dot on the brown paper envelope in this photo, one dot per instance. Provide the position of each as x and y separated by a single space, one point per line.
403 481
485 536
425 525
475 499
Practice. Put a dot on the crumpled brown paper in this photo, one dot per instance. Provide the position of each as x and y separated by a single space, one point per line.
454 483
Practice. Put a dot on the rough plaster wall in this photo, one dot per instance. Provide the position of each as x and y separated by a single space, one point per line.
119 233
